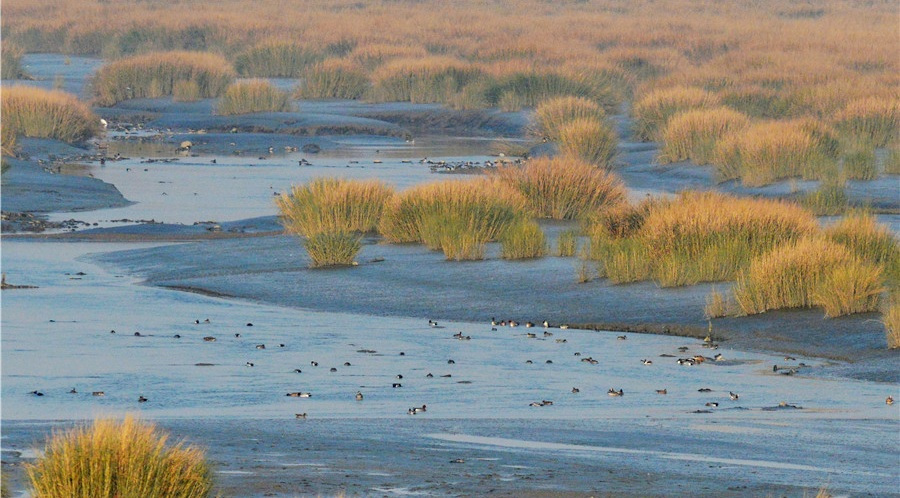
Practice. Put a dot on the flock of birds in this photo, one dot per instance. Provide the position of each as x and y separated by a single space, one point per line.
691 360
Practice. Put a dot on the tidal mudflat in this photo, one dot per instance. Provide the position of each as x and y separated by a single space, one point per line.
216 331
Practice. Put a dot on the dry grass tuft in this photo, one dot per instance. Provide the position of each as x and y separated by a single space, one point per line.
333 79
332 248
245 97
523 240
891 319
432 79
33 112
873 120
869 240
118 459
11 62
567 243
564 188
552 114
716 304
811 272
333 205
275 59
653 111
590 140
154 75
694 134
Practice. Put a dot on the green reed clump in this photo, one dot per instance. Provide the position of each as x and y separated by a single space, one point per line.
563 188
589 140
34 112
808 273
829 199
567 243
127 459
873 120
332 248
552 114
653 111
245 97
461 236
155 74
693 134
485 205
523 240
770 151
333 205
892 161
426 80
859 162
890 317
531 88
276 59
869 240
333 79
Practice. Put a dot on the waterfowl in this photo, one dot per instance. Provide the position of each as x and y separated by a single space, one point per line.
346 363
96 393
402 353
359 396
662 391
719 357
528 362
546 324
314 363
575 390
548 362
36 393
613 392
889 400
513 323
451 362
299 394
418 409
530 335
297 370
396 385
112 331
137 334
209 338
457 460
699 359
332 369
142 399
646 362
73 391
432 323
249 364
790 358
546 402
447 375
260 346
237 335
682 348
249 324
197 322
704 390
493 322
733 396
429 376
529 324
621 338
564 327
577 353
535 403
548 334
399 376
300 415
712 404
177 336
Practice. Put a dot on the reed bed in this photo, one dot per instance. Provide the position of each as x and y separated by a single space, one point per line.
11 62
653 111
828 200
868 240
809 273
770 151
523 240
859 163
34 112
433 79
698 237
891 319
332 248
531 87
333 79
154 75
333 205
185 91
275 59
873 120
563 188
567 243
7 140
118 459
245 97
590 140
693 134
892 161
552 114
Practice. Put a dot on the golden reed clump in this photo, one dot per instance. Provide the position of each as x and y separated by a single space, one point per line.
34 112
